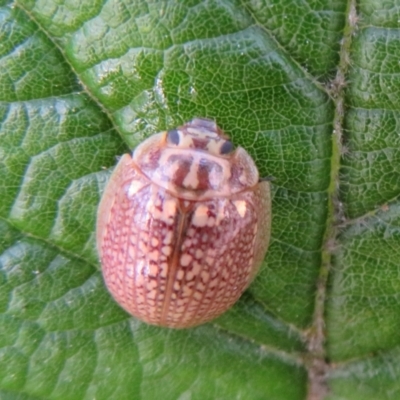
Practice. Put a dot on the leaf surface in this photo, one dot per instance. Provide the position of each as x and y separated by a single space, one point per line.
82 83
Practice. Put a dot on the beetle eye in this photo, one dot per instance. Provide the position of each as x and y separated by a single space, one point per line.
227 147
173 136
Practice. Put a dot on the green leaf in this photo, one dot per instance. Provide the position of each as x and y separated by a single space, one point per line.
310 89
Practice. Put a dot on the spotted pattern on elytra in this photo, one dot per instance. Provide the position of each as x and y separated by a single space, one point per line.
139 250
215 259
171 260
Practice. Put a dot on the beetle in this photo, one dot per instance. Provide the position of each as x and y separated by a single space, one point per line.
183 226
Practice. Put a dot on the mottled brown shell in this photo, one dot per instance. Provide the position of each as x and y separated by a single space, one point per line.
183 226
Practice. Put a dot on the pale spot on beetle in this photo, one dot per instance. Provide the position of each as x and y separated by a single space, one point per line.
186 292
185 141
209 260
153 270
166 250
191 232
200 216
164 270
154 255
143 247
132 252
197 296
154 242
169 210
213 283
139 279
186 259
240 207
191 180
151 307
187 243
214 146
205 276
199 254
166 215
196 268
168 238
189 276
135 186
